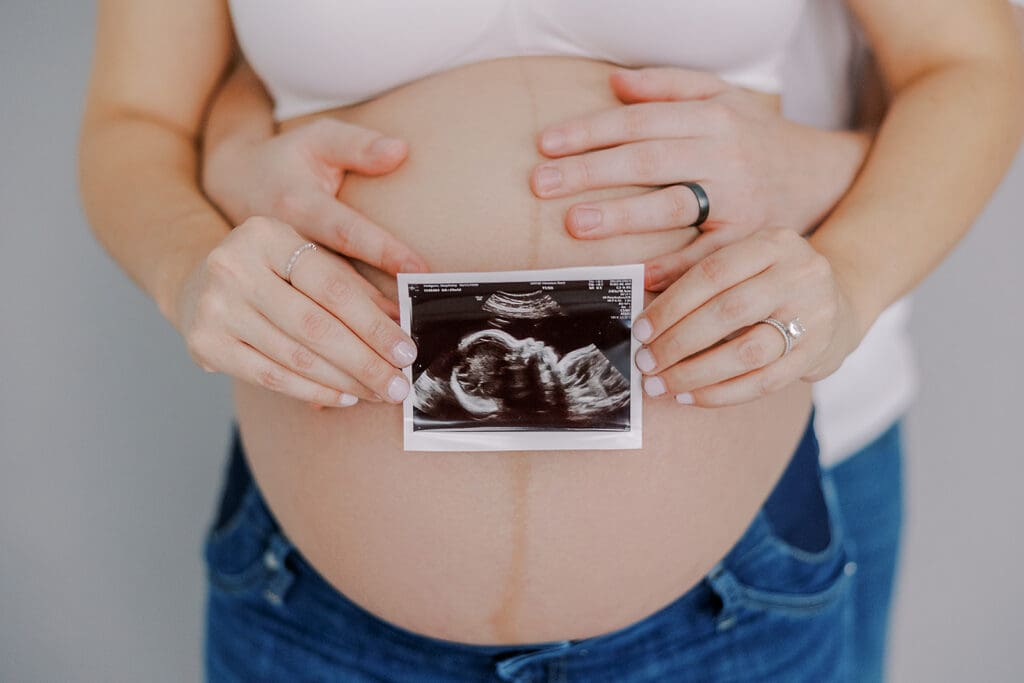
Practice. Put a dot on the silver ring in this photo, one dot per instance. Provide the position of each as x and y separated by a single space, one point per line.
777 324
308 246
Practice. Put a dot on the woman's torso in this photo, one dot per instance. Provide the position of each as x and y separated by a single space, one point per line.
507 547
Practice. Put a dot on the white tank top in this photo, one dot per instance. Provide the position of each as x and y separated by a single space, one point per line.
319 54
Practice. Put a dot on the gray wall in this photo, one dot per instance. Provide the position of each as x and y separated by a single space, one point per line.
111 442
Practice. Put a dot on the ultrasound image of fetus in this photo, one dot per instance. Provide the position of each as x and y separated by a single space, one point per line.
495 378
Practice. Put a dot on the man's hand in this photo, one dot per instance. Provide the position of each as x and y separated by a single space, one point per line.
675 125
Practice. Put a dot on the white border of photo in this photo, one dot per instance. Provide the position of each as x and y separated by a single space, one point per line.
526 440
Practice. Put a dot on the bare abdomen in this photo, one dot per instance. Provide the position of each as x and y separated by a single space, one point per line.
507 547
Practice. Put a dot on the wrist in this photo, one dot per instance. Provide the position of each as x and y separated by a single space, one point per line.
831 161
857 289
172 274
217 175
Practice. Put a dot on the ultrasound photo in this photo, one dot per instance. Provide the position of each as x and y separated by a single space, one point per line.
529 359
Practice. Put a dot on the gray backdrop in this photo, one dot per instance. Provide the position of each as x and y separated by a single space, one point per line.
111 442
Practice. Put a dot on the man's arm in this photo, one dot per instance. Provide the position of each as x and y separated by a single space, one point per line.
951 130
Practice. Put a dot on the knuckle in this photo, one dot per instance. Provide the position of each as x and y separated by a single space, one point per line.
290 205
338 292
270 378
258 227
380 333
733 309
669 347
345 234
819 267
679 203
221 263
210 308
635 121
713 268
780 237
752 355
583 170
315 326
769 383
373 371
644 161
199 345
302 358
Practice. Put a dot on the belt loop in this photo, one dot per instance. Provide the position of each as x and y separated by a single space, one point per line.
279 576
724 584
512 668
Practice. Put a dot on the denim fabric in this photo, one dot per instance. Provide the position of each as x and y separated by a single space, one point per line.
869 486
769 611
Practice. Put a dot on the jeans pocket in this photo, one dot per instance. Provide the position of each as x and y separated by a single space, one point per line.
769 574
239 547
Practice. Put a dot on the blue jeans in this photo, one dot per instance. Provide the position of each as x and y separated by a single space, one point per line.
870 491
768 611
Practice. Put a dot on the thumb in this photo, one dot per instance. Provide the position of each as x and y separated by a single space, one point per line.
664 84
354 148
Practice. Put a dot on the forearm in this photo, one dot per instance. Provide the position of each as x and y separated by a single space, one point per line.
931 170
241 113
140 192
832 159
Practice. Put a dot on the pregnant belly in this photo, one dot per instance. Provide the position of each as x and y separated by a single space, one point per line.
506 547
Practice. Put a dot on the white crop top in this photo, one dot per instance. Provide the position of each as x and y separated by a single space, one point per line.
320 54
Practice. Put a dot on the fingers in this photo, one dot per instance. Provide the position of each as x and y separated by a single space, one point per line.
259 333
248 364
754 349
732 310
326 310
348 232
616 126
649 162
661 271
665 84
712 275
353 147
750 387
665 209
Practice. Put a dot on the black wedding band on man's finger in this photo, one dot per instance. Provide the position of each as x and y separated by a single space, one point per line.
703 203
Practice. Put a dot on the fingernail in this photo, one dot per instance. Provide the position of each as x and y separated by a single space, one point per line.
346 400
686 399
645 360
642 329
548 179
586 219
654 386
405 353
386 146
552 141
398 389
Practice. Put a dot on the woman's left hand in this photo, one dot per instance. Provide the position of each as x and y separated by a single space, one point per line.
675 125
702 339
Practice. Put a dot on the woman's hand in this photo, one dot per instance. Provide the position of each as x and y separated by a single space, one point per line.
757 168
702 340
295 177
326 338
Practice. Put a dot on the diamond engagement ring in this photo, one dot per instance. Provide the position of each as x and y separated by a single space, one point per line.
308 246
790 332
796 329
